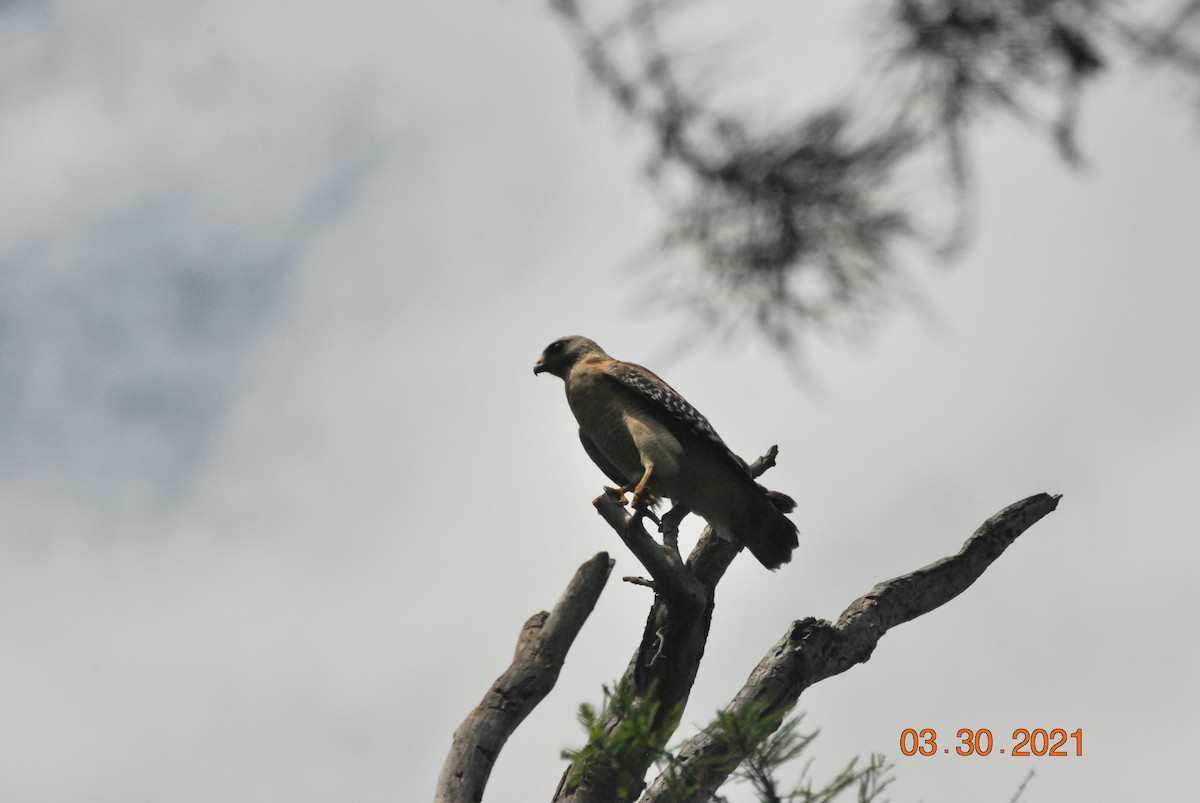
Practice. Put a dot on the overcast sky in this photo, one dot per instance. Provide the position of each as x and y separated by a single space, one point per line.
279 487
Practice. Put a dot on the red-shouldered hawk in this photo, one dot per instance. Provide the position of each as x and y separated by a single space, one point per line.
648 438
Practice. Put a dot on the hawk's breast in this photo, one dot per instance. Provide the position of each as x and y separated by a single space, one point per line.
603 421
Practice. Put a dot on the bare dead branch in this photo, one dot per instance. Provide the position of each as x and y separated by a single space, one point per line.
670 576
673 641
664 667
541 649
813 649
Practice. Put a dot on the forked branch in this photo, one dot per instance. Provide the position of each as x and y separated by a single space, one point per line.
663 669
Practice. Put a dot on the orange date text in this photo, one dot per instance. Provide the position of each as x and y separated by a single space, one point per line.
979 742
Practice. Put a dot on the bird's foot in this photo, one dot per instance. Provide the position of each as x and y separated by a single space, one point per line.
642 500
615 493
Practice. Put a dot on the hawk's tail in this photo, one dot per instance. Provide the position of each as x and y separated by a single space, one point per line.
767 533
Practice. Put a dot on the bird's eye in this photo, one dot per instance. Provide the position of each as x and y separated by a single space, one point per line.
554 347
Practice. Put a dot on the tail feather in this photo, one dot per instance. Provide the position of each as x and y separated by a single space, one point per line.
766 532
782 502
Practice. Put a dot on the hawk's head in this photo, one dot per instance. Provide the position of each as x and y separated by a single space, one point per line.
561 355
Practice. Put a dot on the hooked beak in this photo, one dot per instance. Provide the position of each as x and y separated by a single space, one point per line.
539 367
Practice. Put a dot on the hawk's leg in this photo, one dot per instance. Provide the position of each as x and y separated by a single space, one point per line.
638 512
641 497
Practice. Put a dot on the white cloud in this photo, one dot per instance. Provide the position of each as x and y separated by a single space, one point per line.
281 487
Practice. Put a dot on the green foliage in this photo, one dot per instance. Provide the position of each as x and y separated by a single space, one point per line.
620 736
756 744
785 219
762 742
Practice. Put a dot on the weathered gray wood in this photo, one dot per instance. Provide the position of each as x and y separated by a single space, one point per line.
812 649
673 641
541 649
